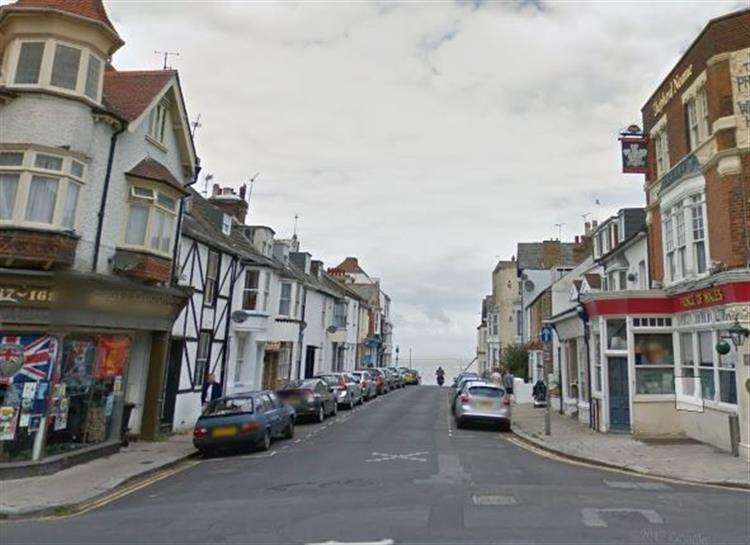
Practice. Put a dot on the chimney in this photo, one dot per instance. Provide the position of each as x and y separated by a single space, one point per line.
301 260
225 199
587 228
594 224
582 249
243 190
316 267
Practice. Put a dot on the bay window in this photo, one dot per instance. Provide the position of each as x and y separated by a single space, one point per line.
684 234
39 189
56 65
699 233
654 363
151 219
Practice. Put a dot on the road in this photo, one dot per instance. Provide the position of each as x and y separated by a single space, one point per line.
397 469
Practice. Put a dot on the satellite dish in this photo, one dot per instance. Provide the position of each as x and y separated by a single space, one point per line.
332 329
239 316
528 285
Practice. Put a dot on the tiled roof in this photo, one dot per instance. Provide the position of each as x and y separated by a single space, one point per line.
349 265
129 93
594 281
89 9
151 169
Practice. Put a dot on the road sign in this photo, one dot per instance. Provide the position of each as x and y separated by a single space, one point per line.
546 334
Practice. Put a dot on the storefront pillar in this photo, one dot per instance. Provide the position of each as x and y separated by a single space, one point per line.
154 385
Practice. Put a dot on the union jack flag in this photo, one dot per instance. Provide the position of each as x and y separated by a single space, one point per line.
27 358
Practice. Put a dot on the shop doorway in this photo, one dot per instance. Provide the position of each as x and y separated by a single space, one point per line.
172 382
619 395
310 362
270 370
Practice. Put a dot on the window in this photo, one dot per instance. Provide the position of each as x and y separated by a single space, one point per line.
661 145
226 224
679 228
669 245
285 299
685 238
40 207
706 364
519 323
623 279
727 376
250 293
71 203
240 360
212 279
151 220
339 314
699 233
29 63
617 334
654 363
697 113
157 120
297 297
642 276
687 365
202 354
597 363
8 191
65 67
93 72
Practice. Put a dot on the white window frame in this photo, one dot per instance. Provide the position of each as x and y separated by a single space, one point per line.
695 101
202 357
287 300
211 289
65 177
682 246
256 290
661 146
44 79
151 196
157 122
339 317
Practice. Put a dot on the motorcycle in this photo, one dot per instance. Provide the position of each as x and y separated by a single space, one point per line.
440 380
539 393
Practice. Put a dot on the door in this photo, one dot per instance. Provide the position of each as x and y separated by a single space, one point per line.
270 370
310 362
172 382
619 395
272 413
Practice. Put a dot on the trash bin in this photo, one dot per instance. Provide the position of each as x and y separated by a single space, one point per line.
127 409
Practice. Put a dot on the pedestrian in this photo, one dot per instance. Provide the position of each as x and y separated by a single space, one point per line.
496 377
508 379
211 389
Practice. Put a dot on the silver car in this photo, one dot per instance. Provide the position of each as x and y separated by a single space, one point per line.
367 383
482 402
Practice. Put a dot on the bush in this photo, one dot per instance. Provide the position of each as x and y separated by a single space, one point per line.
516 358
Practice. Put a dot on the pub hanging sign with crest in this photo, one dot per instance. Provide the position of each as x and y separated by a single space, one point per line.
634 150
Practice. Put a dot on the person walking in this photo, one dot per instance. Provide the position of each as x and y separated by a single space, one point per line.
508 379
211 389
496 377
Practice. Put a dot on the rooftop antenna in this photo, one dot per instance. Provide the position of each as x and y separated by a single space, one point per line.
207 179
195 125
559 230
585 216
250 190
296 219
166 56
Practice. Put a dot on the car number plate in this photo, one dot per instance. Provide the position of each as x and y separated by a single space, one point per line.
486 404
294 400
226 431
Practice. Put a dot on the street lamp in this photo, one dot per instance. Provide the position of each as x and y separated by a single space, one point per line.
737 334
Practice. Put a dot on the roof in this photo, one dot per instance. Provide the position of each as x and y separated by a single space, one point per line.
129 93
151 169
531 255
92 10
349 265
593 280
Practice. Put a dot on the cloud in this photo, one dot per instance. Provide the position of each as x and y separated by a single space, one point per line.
425 138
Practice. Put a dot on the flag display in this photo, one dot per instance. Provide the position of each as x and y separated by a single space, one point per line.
26 358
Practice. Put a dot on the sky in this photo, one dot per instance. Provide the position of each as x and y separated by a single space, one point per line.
424 138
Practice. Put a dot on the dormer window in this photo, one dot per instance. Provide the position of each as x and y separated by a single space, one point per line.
226 224
157 121
56 65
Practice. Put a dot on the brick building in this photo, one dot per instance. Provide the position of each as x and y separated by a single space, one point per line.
666 362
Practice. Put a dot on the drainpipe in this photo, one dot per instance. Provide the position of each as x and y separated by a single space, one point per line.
105 192
178 232
301 336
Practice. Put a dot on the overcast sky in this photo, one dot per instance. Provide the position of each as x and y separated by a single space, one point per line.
427 139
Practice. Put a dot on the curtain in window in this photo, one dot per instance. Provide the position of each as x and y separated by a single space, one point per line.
40 207
71 203
137 222
65 67
8 189
92 77
29 62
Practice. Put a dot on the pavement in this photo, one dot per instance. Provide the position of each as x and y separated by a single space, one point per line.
398 471
77 485
685 460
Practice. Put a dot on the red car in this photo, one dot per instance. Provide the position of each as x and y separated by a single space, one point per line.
381 380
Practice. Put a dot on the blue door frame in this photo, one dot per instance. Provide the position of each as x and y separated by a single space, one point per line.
619 395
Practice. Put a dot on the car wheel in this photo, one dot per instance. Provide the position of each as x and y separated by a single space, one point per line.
289 432
460 423
505 427
321 414
335 409
265 442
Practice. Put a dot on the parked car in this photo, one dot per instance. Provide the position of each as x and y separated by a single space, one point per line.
411 376
399 375
311 397
482 402
346 391
247 419
367 384
456 391
390 377
381 381
460 376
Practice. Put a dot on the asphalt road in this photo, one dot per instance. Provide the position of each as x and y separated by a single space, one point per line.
397 469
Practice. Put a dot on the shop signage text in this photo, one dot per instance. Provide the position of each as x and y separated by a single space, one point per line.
711 296
673 86
16 294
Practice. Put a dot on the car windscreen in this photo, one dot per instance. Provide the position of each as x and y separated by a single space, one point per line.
486 391
229 405
331 380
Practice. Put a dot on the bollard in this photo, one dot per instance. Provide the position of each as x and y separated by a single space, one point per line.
734 434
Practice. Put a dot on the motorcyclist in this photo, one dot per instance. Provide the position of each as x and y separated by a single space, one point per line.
440 375
539 392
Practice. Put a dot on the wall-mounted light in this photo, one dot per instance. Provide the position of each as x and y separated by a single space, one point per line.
737 334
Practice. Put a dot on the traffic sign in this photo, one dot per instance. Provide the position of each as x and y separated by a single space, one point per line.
546 334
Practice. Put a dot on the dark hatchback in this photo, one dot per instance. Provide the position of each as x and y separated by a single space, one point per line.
250 419
311 397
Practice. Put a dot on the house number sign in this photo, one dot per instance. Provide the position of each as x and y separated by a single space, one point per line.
16 294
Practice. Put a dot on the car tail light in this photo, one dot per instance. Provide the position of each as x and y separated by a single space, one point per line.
200 432
506 400
309 395
249 426
464 398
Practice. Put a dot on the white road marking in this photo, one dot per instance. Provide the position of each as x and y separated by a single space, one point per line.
592 517
489 499
381 542
412 457
633 485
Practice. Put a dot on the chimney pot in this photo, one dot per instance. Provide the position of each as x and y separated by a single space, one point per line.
216 190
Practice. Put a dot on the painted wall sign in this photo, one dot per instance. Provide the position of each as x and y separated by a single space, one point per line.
634 155
23 294
673 86
702 298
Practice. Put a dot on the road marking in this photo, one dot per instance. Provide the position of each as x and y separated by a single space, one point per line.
488 499
592 517
632 485
412 457
381 542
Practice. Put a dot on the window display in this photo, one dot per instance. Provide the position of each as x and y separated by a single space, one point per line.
654 363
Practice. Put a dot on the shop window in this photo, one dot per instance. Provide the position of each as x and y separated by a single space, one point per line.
654 363
687 365
597 363
617 338
706 364
727 376
212 279
202 353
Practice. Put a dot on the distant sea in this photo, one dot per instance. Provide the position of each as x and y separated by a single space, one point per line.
428 366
